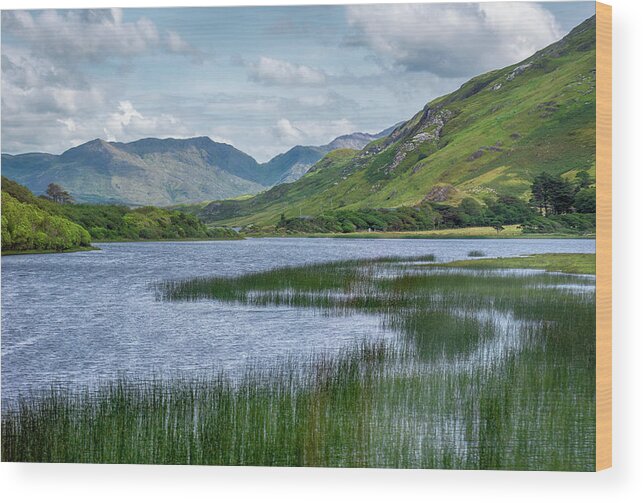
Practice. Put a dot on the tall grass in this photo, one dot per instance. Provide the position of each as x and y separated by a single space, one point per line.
491 369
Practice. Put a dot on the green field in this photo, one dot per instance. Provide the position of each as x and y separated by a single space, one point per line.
510 231
488 369
572 263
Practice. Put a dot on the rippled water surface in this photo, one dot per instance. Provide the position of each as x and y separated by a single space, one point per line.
78 317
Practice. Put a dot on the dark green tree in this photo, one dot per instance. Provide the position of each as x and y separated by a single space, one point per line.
563 196
472 211
552 195
583 180
58 194
585 201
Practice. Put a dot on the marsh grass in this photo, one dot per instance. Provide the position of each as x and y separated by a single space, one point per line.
491 369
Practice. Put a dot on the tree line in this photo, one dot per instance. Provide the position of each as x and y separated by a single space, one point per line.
26 227
556 205
54 222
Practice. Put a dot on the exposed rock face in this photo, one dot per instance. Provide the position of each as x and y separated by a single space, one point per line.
547 109
517 71
476 155
480 152
296 162
429 130
439 193
401 155
419 138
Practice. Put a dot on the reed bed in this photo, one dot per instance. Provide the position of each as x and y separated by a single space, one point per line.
491 369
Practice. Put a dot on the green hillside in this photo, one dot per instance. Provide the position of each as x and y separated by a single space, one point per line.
489 138
28 227
31 223
165 172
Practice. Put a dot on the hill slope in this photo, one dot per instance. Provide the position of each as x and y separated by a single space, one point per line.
149 171
164 172
295 163
488 138
27 226
27 215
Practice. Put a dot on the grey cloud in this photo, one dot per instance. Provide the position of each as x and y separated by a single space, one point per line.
452 40
279 72
72 36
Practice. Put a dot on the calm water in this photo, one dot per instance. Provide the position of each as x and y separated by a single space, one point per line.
81 317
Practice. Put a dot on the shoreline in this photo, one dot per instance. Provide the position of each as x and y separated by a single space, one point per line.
95 248
353 235
179 240
510 232
46 252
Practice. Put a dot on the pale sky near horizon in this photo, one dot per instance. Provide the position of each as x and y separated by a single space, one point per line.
260 78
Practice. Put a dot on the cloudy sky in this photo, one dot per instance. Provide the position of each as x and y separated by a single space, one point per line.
262 79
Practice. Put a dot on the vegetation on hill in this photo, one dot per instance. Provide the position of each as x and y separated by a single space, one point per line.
557 206
487 140
26 227
38 223
153 171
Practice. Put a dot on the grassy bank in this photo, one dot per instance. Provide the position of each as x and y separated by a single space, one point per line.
509 232
572 263
474 377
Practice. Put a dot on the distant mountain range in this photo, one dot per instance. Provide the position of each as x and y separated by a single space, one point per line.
163 172
489 138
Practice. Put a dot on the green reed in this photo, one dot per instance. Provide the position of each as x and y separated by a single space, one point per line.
491 369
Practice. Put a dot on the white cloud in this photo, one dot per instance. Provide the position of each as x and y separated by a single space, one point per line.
69 123
287 132
452 40
34 86
73 36
176 44
279 72
49 103
127 123
308 132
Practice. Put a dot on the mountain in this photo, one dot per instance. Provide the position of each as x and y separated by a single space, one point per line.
144 172
294 163
164 172
488 138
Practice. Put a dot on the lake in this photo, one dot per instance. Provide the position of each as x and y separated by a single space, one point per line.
84 317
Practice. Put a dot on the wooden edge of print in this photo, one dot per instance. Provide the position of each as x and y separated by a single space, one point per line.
603 236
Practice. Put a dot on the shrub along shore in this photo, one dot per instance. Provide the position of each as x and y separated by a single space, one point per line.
33 224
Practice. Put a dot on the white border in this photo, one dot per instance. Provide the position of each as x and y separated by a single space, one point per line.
114 483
